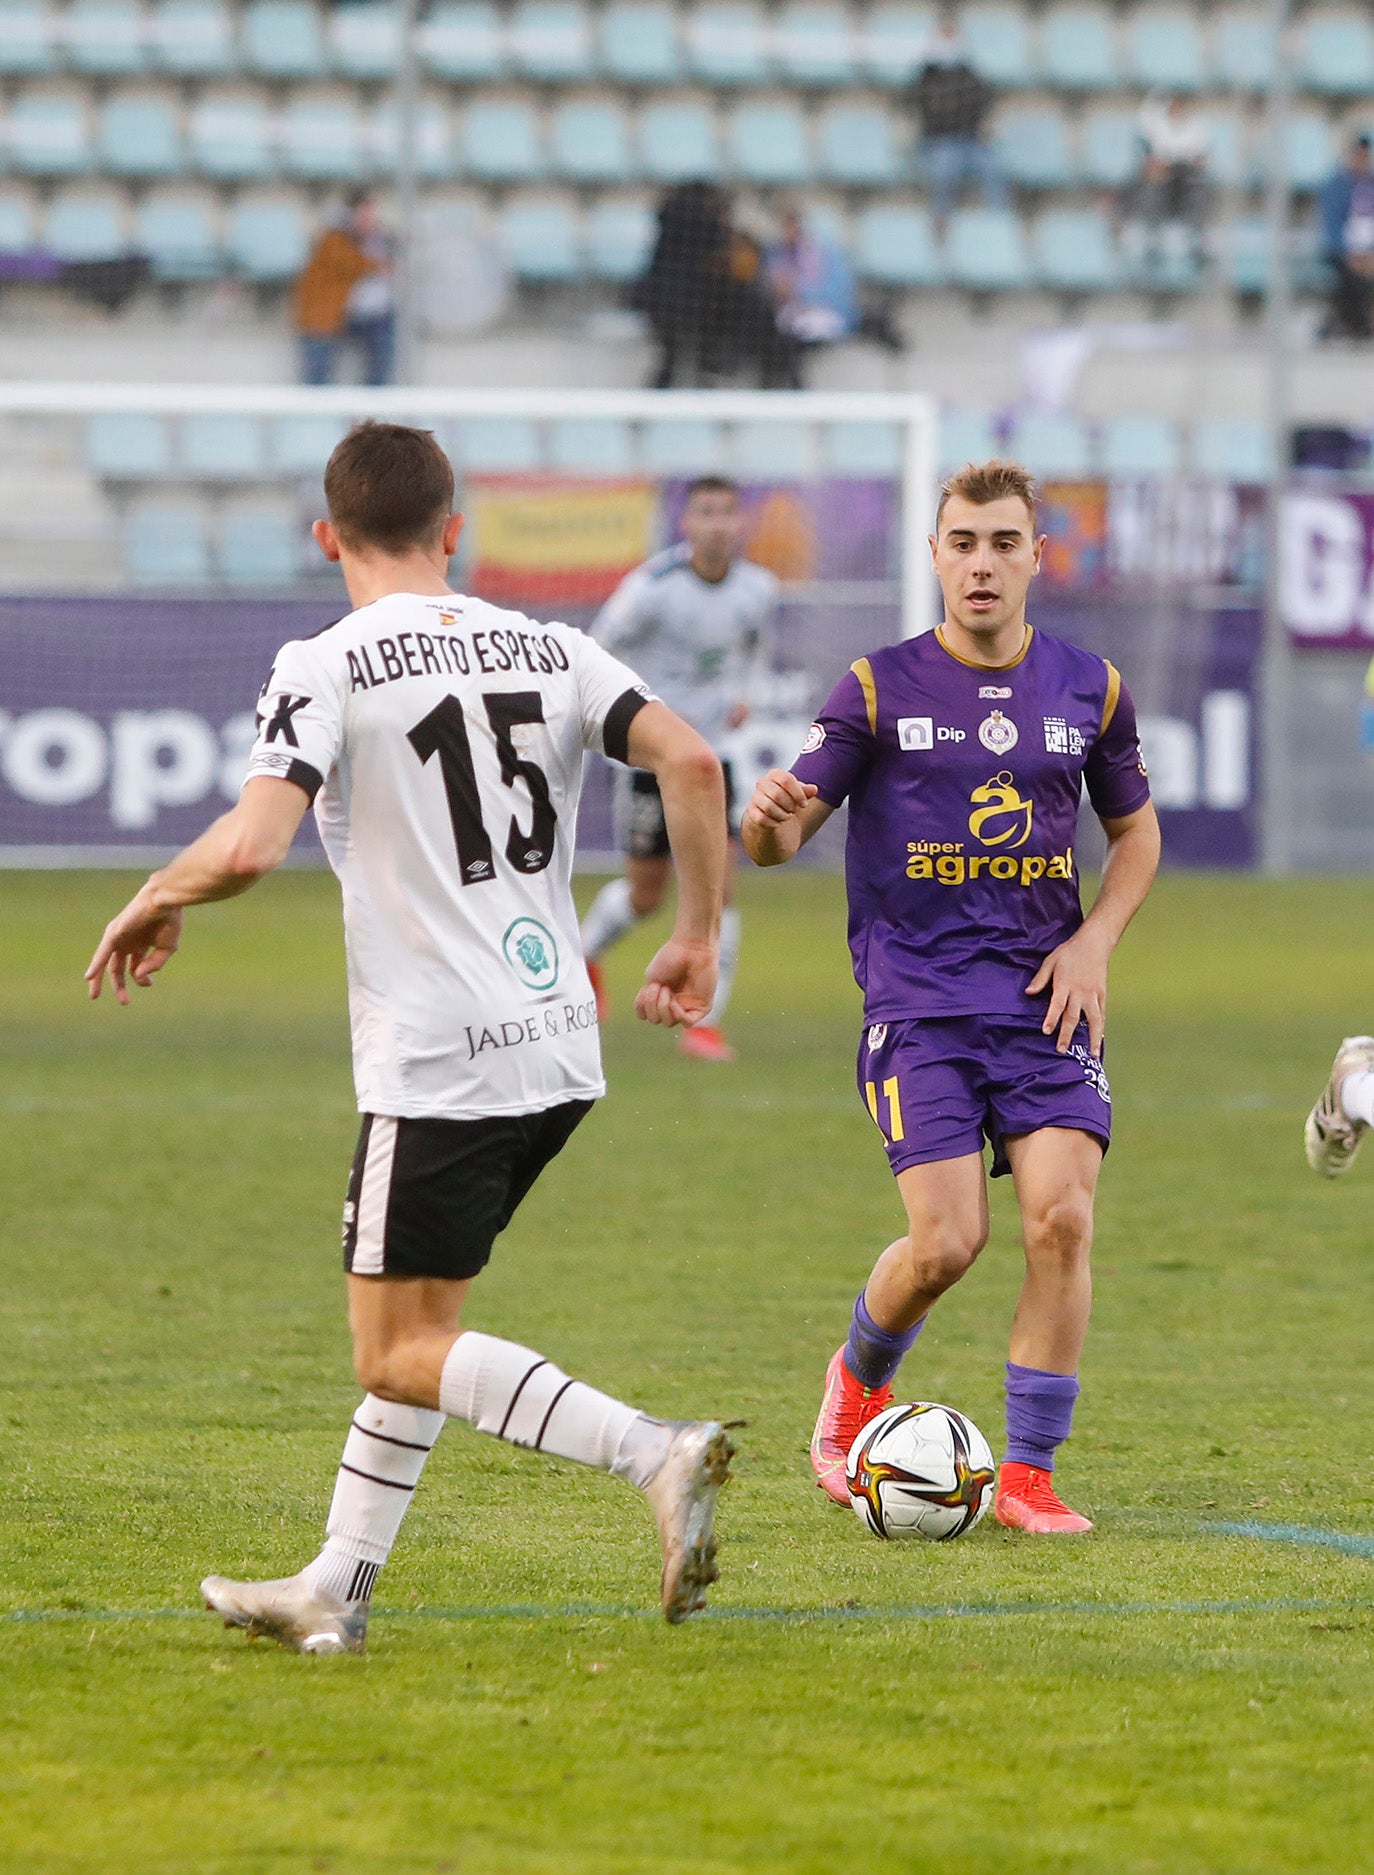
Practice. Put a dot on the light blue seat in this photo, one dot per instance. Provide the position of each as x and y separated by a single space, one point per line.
230 136
301 446
852 447
1310 151
589 141
1054 446
193 38
1164 270
433 139
1140 448
365 40
499 139
86 225
128 446
267 241
999 39
679 142
221 446
259 544
106 38
771 452
1231 449
893 41
539 238
1246 251
727 44
50 134
1078 50
498 445
768 144
986 251
282 39
320 140
177 233
551 40
858 146
1164 50
138 135
166 543
965 436
1243 49
681 446
1033 146
18 233
28 39
1112 149
1337 54
591 446
465 42
1075 253
1226 160
640 44
895 246
816 43
619 239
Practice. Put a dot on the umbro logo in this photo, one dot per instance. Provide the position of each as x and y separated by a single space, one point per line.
920 732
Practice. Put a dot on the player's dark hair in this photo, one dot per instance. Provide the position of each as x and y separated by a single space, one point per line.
388 487
984 482
712 485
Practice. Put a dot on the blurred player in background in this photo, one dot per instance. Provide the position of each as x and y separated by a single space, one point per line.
697 621
1344 1113
442 742
962 755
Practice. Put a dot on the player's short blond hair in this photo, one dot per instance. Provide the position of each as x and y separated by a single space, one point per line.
984 482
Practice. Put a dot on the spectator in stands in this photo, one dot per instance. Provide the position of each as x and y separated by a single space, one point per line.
344 295
813 288
951 100
1347 223
1172 194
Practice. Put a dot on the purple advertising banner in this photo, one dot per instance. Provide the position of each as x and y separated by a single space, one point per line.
1326 568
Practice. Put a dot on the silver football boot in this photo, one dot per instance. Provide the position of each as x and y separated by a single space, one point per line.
1331 1139
682 1495
290 1611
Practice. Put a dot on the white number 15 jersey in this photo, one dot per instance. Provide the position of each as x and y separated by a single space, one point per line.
441 741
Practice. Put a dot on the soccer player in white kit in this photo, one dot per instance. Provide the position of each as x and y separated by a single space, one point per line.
441 740
696 621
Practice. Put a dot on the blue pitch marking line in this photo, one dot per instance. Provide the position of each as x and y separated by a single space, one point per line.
1295 1533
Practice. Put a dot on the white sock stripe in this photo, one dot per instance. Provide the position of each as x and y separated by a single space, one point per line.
374 1196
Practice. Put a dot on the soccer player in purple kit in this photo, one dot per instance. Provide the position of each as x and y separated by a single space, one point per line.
962 754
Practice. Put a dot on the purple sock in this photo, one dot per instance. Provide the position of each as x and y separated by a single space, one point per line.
1039 1414
874 1354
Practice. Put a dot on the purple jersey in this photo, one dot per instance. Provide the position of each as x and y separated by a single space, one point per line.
963 785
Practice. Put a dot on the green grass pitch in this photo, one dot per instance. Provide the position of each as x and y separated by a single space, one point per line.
175 1386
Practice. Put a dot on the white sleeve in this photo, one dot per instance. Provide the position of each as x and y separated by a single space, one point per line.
626 618
300 719
609 695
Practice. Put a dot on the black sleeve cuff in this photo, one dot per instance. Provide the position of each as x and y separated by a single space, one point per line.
306 777
615 731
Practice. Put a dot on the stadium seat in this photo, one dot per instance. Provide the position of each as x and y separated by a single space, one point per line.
1310 152
499 141
1033 146
815 43
965 436
999 39
1225 147
28 39
893 40
320 139
1078 50
1139 448
986 251
591 446
106 38
230 137
138 135
1054 446
433 136
86 225
589 141
17 229
1164 50
166 543
1337 54
193 38
858 448
772 452
50 134
282 39
1164 270
266 239
365 40
539 239
1243 49
681 446
221 447
767 143
497 445
465 42
259 543
1245 248
895 246
727 43
640 43
619 239
1231 449
1112 148
679 141
177 233
1075 253
301 446
551 40
858 146
128 446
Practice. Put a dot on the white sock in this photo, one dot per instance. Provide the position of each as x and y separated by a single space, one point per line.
1357 1096
608 918
729 963
515 1394
383 1456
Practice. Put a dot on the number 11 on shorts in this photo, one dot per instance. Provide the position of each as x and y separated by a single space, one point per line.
894 1130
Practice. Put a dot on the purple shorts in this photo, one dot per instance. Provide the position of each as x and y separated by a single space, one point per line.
937 1087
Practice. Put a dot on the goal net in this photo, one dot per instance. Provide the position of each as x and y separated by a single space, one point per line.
155 552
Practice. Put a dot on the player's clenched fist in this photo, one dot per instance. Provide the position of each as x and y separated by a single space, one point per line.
771 829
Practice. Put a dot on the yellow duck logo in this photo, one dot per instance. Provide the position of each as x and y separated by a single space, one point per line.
997 805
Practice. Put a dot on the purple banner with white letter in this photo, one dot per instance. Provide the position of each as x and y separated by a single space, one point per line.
1326 568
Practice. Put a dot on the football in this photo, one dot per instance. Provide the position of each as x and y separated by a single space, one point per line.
920 1470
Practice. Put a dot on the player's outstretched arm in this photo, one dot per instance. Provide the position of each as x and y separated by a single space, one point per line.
234 853
680 983
781 818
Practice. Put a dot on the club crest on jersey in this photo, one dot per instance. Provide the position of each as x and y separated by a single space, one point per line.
531 952
994 693
998 733
815 736
877 1035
